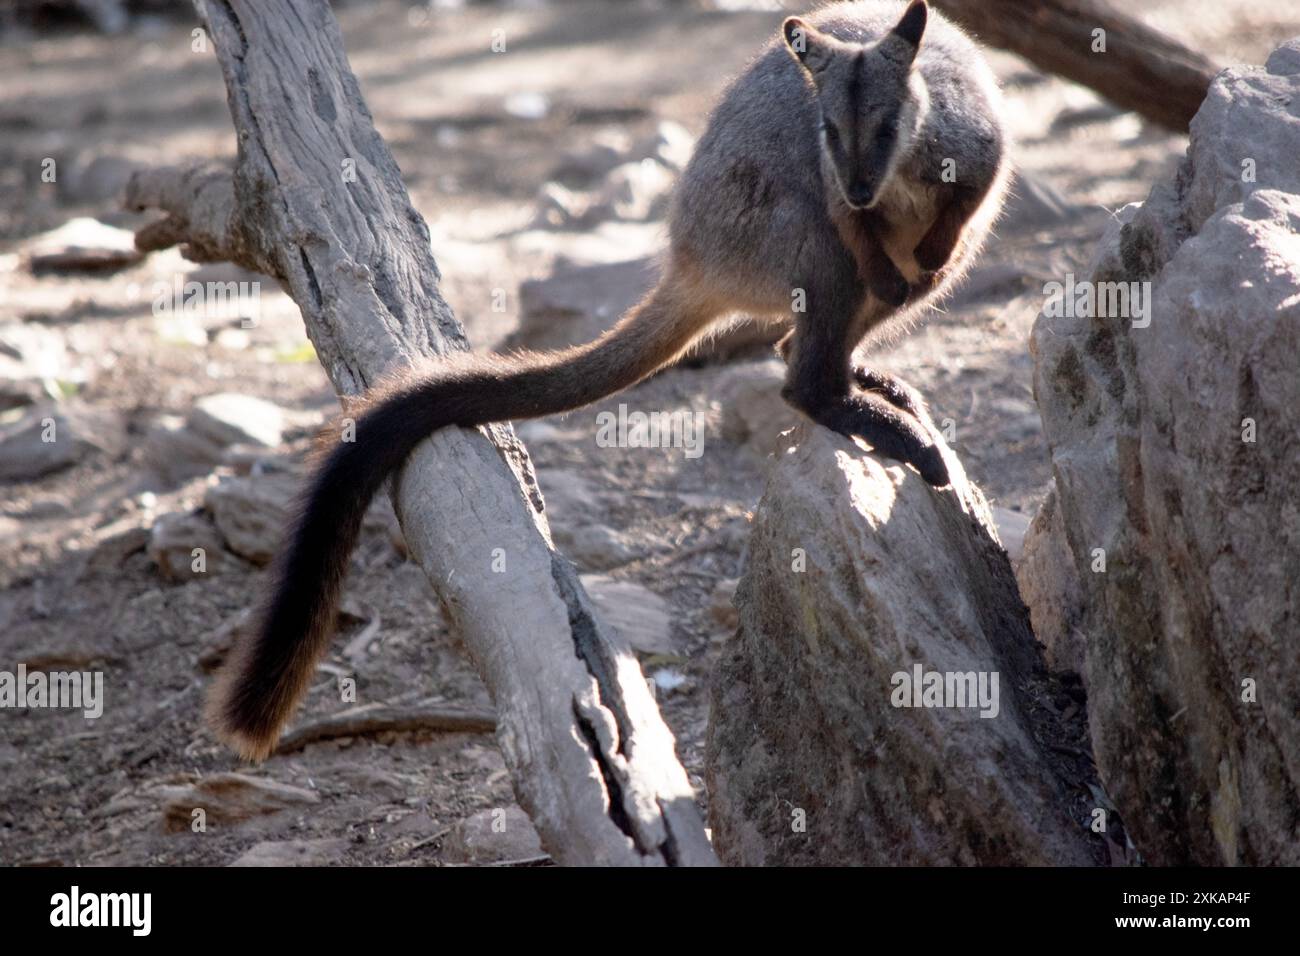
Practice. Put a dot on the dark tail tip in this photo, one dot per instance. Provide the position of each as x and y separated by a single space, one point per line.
249 703
272 664
234 729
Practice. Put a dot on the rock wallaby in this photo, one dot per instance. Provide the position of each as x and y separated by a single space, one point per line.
845 179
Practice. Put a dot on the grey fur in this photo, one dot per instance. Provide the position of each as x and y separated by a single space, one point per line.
762 210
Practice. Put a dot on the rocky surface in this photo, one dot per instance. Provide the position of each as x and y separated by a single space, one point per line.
859 572
292 853
1175 448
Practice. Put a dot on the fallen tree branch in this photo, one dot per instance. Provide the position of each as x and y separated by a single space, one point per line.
1142 69
378 719
317 201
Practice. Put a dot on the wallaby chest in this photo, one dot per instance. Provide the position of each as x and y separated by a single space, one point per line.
894 226
906 210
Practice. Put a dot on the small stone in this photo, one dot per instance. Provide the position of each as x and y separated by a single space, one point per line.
528 105
668 680
83 245
637 191
754 414
1050 588
116 543
229 798
571 501
184 546
636 614
49 438
251 513
670 144
1285 60
600 548
177 452
575 304
1011 527
494 836
292 853
229 418
216 644
1034 204
35 365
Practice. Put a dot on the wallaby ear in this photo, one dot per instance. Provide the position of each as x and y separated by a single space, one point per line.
912 25
905 39
810 46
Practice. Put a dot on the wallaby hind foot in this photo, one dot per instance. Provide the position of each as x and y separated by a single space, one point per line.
889 429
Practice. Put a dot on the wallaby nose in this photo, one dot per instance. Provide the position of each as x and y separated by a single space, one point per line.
860 194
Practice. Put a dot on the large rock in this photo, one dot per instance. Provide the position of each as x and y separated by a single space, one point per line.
576 304
859 572
1175 448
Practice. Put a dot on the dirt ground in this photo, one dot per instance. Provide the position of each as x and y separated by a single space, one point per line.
477 135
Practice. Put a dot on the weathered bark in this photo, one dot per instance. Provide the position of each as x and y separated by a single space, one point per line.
1142 70
591 760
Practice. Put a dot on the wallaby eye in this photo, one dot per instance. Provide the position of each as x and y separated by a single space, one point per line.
832 134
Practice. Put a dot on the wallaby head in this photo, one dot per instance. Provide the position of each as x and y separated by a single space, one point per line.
872 102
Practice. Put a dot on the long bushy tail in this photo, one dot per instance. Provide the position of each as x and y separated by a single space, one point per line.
271 665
